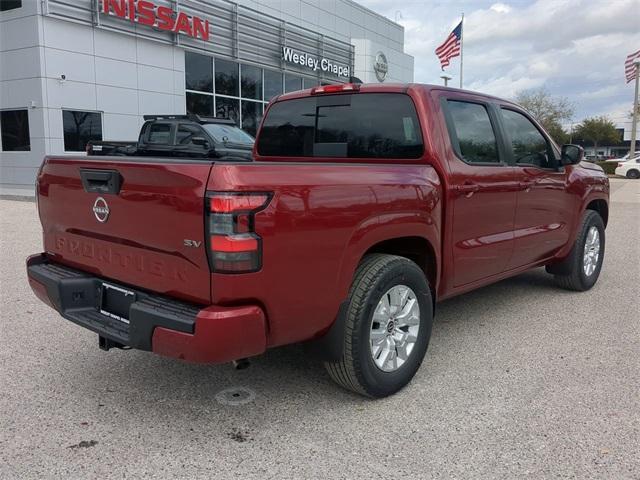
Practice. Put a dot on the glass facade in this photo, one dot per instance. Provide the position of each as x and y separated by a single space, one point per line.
224 88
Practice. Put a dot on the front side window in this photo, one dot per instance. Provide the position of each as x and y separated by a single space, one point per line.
185 134
528 145
471 132
80 128
367 125
14 125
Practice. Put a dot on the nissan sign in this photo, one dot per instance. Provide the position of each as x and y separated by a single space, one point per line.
147 13
380 66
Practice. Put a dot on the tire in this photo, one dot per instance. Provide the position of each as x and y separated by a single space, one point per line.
377 278
571 273
633 174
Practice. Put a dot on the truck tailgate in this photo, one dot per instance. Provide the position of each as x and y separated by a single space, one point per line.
142 235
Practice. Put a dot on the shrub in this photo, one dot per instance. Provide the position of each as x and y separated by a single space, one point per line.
608 167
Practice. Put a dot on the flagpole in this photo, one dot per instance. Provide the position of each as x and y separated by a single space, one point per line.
634 122
461 46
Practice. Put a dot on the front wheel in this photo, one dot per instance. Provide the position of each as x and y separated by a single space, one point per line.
581 269
633 174
387 328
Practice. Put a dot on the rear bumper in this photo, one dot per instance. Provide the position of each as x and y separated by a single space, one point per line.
156 323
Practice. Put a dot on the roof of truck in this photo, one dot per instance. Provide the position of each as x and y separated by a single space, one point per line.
389 88
189 117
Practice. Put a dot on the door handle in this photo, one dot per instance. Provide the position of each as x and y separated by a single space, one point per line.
467 188
100 181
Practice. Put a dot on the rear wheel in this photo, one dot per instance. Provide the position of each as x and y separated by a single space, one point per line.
581 269
633 173
388 326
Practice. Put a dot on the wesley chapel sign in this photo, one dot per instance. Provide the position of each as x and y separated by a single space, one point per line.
311 62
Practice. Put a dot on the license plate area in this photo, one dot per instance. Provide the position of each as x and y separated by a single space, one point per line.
116 301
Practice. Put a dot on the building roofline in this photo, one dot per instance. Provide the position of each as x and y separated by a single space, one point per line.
370 12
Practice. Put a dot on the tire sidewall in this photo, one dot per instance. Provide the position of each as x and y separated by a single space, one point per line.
633 174
382 383
593 220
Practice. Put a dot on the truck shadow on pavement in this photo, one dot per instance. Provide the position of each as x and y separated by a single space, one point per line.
139 381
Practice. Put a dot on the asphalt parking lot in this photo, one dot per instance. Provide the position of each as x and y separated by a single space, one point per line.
521 380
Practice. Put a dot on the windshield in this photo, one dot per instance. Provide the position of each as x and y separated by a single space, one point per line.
228 133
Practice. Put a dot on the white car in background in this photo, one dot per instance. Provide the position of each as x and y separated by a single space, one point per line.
629 168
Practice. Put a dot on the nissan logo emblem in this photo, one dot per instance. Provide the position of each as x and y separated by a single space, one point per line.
380 66
101 209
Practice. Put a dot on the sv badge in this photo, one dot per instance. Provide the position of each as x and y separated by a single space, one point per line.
191 243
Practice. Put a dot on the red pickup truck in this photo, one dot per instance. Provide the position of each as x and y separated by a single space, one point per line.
365 205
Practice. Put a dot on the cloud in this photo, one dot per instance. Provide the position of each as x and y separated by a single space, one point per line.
574 48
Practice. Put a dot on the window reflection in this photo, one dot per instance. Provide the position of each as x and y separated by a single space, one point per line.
200 104
272 84
251 82
80 128
292 83
198 72
251 115
227 78
228 108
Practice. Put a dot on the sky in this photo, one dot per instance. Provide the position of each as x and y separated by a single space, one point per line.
573 48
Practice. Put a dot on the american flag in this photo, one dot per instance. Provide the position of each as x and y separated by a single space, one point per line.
630 70
451 47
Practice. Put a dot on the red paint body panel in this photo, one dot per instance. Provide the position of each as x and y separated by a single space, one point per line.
320 222
322 218
221 335
141 243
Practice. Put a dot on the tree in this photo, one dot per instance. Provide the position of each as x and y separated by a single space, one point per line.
598 130
548 110
558 133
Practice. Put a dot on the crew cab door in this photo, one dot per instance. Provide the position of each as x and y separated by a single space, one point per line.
544 205
481 192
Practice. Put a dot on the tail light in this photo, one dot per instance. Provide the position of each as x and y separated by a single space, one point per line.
233 245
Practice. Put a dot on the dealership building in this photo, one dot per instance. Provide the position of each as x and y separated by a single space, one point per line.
78 70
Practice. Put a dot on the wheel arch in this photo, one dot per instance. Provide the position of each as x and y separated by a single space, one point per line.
415 248
600 206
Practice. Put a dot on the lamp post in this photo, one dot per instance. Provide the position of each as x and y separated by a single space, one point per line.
634 122
446 79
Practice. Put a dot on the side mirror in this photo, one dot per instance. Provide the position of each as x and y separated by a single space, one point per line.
201 141
572 154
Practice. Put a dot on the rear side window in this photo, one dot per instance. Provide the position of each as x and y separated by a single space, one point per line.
159 133
472 133
365 125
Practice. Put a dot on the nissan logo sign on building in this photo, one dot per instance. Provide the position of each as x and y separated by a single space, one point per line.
381 67
100 65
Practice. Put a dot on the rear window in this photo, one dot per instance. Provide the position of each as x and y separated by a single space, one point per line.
365 125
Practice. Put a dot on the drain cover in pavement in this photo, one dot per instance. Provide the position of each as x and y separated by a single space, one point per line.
235 396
